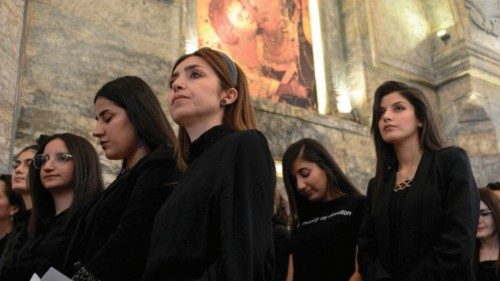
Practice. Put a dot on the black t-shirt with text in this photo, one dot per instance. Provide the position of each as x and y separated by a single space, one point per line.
324 244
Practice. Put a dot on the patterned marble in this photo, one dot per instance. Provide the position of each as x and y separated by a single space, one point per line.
11 24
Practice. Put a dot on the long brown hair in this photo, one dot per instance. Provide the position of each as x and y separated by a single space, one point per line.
491 201
238 115
429 133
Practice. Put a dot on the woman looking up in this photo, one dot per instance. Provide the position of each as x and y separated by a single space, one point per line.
217 224
422 206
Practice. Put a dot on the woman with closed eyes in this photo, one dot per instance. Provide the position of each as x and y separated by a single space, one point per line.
64 175
326 214
111 241
422 206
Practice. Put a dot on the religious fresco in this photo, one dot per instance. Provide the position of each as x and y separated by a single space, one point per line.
270 40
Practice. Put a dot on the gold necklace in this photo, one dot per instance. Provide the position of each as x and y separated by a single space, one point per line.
406 182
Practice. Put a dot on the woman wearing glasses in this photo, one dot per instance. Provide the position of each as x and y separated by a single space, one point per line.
422 206
487 257
112 238
65 175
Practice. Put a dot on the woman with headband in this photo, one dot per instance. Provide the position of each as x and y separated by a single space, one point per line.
217 224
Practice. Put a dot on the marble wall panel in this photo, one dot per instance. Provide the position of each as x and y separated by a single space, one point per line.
74 47
349 143
11 26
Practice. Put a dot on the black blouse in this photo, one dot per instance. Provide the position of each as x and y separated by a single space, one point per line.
217 224
324 243
112 237
396 207
42 251
17 238
486 271
437 227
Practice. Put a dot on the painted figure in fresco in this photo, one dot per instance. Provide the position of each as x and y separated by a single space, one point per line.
272 42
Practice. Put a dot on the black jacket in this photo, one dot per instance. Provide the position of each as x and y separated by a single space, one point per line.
112 237
17 238
439 222
217 224
41 251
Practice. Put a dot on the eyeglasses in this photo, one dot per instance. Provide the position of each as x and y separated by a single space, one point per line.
59 159
485 213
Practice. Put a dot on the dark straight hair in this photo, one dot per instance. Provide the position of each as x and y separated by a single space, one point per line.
13 197
87 181
143 109
312 151
429 134
491 201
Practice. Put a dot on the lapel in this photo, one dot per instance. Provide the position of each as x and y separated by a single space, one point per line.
412 211
381 214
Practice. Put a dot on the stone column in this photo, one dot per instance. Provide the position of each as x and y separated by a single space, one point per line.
468 75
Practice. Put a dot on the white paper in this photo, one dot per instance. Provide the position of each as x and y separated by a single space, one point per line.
54 275
35 277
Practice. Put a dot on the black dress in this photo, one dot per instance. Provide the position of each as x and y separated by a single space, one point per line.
281 251
112 237
42 251
433 235
217 224
324 243
3 242
17 238
486 271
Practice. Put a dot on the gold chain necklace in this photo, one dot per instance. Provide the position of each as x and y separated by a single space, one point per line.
405 183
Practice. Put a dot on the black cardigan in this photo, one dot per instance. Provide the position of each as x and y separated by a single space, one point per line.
439 222
112 237
217 224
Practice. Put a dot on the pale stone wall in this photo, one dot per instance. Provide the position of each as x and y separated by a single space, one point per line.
74 47
11 25
348 142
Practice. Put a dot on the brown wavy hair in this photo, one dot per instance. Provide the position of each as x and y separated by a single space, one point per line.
238 116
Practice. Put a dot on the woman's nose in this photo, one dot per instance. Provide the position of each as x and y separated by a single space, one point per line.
97 131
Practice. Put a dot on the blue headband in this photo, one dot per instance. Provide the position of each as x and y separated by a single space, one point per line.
232 69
